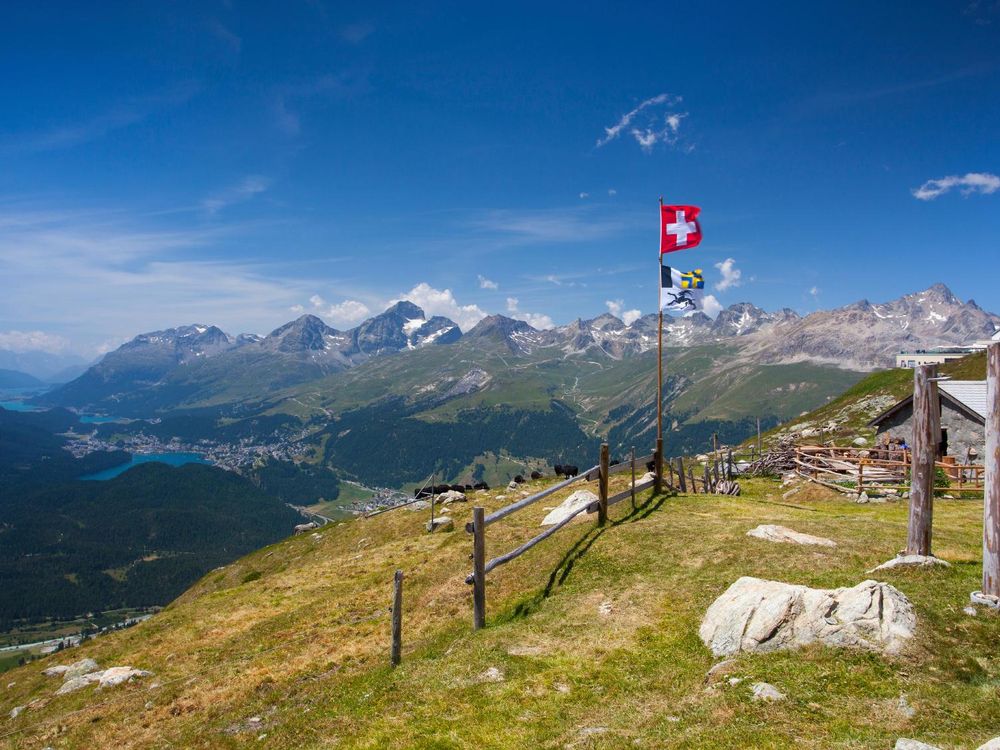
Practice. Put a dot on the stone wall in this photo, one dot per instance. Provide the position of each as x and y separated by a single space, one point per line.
963 433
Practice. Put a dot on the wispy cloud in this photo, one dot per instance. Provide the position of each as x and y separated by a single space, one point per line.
355 33
345 313
287 100
28 341
730 275
485 283
232 41
550 225
244 190
973 182
654 121
442 302
117 117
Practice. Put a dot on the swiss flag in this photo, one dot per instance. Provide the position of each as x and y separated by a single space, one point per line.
679 228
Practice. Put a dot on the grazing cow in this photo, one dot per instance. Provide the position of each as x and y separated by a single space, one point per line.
536 475
651 466
480 486
570 471
558 469
440 489
422 492
457 488
519 479
468 488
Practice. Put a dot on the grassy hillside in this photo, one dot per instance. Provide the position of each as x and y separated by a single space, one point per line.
592 636
870 396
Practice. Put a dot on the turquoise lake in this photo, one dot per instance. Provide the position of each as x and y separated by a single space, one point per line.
171 459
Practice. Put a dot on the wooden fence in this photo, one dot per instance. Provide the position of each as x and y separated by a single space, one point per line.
845 470
481 567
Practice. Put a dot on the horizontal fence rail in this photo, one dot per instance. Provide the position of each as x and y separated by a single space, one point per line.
530 500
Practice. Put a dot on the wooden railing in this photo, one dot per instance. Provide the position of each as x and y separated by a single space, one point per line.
845 470
480 520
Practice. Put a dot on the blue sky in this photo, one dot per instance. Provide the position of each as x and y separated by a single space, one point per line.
237 163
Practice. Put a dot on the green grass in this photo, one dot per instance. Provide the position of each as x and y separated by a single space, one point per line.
305 647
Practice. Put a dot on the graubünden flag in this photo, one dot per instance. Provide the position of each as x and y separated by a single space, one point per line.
679 228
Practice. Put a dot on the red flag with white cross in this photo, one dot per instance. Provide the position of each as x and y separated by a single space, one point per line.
679 228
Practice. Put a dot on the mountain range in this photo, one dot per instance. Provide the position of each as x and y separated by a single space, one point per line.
401 369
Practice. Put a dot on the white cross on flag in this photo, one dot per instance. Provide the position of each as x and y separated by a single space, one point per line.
679 228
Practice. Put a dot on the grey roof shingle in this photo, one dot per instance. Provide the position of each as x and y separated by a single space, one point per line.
972 393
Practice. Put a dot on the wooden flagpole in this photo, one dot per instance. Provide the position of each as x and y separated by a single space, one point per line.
659 363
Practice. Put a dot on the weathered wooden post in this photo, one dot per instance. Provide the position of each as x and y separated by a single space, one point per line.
991 488
715 442
658 466
694 489
602 487
632 496
397 619
715 470
861 476
478 568
729 465
758 437
708 480
680 474
926 434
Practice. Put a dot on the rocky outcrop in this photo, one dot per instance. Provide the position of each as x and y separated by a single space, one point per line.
766 692
773 533
912 561
758 616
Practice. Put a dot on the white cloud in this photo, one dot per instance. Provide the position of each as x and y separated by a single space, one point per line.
551 225
712 306
32 341
442 302
317 301
612 192
347 313
657 126
485 283
297 309
973 182
617 308
730 275
814 292
244 190
535 320
584 196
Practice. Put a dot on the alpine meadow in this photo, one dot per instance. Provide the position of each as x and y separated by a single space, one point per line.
456 376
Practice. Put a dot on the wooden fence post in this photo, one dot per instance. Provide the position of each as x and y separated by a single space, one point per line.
729 465
680 474
478 568
694 489
658 466
991 487
602 487
397 619
632 496
926 434
715 470
708 480
861 476
758 437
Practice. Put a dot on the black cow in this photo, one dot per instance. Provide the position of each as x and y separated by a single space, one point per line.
440 489
536 475
423 492
457 488
480 486
651 466
519 479
570 471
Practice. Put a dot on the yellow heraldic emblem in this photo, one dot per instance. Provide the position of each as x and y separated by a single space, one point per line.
692 280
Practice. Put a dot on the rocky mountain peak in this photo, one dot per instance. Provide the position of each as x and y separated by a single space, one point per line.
305 333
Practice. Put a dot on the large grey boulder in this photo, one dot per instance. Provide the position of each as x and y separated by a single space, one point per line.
80 668
579 499
912 561
757 615
451 496
118 675
993 744
773 533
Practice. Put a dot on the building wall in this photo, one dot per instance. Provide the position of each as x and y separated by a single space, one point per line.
925 358
963 433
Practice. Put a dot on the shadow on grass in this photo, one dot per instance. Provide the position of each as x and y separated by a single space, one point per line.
564 567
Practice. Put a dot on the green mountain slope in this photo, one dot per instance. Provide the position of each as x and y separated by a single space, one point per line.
591 641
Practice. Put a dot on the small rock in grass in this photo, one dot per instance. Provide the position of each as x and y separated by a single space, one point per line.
591 731
80 668
16 711
441 523
734 681
763 691
720 670
605 608
912 561
493 674
773 533
118 675
906 744
970 610
905 708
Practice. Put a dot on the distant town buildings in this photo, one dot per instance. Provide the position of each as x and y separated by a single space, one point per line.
941 354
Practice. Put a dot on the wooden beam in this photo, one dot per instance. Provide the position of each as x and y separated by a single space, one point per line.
602 487
680 475
926 435
397 619
478 568
658 462
991 497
